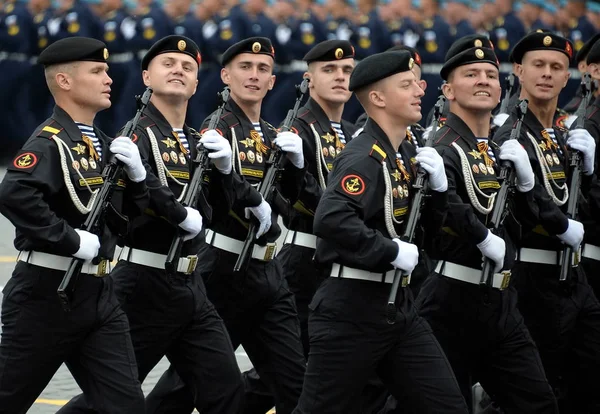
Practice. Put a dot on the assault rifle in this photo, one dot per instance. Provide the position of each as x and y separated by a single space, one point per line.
506 179
571 258
193 193
94 221
420 185
510 83
273 167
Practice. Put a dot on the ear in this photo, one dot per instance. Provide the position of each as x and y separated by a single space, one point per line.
423 84
308 76
377 99
567 79
225 76
518 70
447 91
146 78
272 82
63 81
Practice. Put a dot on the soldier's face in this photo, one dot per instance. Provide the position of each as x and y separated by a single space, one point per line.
474 87
90 85
543 74
249 76
329 81
402 96
173 75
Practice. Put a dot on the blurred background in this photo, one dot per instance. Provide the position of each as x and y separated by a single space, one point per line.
130 27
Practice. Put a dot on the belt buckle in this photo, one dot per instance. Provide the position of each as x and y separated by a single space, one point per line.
270 250
505 279
193 262
576 256
102 269
405 280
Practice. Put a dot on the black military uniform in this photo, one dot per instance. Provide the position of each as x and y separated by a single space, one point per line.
582 55
563 318
350 339
46 195
170 314
589 209
256 304
481 330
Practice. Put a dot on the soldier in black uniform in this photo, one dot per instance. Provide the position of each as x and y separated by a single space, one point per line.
170 314
323 132
481 330
357 222
47 193
563 317
581 60
255 304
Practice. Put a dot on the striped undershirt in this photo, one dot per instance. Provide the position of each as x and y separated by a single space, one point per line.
550 132
258 129
489 151
89 131
182 138
337 127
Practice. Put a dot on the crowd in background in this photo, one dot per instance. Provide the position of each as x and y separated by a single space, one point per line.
130 27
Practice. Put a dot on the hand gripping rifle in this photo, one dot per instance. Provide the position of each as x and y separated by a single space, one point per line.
93 223
193 193
420 185
507 180
273 167
571 258
510 83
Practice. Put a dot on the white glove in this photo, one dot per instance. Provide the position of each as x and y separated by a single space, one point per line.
408 256
192 223
263 213
292 144
513 151
128 153
582 141
500 119
426 133
574 234
494 248
432 162
89 245
220 150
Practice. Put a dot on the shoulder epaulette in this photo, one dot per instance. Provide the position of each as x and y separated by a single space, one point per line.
145 122
48 131
378 153
307 116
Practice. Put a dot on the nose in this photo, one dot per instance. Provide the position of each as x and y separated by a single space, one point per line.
108 80
419 92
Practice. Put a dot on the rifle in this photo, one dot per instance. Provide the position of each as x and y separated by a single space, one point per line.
202 162
571 258
420 185
507 179
273 166
510 83
93 221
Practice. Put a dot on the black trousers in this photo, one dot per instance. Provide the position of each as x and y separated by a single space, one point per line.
173 317
92 339
564 321
260 313
485 339
591 268
351 340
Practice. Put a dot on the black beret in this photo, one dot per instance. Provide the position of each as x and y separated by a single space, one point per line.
594 54
541 40
467 42
586 48
256 45
74 49
330 50
379 66
472 55
173 43
413 52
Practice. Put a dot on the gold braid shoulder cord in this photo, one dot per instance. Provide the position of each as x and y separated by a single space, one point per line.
83 209
161 168
471 185
546 172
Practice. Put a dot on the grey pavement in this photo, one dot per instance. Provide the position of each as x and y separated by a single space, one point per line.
63 387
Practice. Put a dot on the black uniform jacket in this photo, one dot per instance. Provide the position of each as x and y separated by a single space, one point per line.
350 219
156 228
35 198
250 155
465 226
312 115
